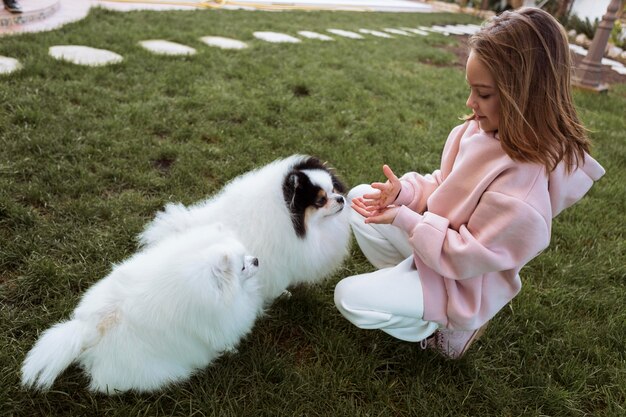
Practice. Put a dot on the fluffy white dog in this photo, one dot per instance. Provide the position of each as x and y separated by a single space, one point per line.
163 313
290 213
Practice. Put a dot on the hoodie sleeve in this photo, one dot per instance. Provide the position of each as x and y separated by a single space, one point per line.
502 233
416 189
566 189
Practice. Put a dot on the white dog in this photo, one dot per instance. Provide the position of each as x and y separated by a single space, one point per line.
163 313
290 213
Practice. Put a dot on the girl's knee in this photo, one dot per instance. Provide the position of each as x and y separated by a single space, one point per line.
358 191
348 295
350 305
342 293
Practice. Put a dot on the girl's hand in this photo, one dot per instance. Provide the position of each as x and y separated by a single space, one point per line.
387 192
374 215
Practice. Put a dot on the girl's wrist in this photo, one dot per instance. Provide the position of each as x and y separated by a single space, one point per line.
398 194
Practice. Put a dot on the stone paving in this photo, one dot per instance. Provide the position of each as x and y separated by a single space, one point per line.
71 10
88 56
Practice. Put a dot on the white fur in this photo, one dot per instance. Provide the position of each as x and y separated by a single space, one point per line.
253 206
163 313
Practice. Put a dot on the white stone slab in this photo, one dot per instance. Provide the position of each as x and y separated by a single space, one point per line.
162 47
345 33
84 55
9 65
224 43
430 29
577 49
468 29
375 33
276 37
619 70
440 29
453 29
397 31
611 62
315 35
416 31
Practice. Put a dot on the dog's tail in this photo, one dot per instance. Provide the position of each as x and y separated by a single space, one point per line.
55 350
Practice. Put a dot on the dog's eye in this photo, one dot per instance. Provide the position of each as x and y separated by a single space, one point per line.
321 201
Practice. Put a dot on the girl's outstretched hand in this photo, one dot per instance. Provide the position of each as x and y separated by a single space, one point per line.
387 191
374 215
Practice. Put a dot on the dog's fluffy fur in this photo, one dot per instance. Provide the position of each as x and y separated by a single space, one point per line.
163 313
290 213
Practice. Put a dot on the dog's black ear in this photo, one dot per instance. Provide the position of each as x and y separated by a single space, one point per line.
290 185
337 184
293 181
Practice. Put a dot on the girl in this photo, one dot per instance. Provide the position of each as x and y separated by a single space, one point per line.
449 246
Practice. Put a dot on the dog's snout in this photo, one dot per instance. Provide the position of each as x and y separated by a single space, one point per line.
340 199
255 262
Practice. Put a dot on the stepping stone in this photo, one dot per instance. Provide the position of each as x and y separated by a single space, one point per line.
397 31
345 33
473 27
9 65
611 62
577 49
376 33
224 43
162 47
433 30
314 35
455 30
619 70
84 55
468 29
440 29
416 31
275 37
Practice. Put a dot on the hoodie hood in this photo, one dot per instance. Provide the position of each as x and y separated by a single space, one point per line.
567 188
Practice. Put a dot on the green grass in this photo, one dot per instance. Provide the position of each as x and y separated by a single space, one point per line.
87 155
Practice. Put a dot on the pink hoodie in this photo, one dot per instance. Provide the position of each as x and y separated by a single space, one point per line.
476 221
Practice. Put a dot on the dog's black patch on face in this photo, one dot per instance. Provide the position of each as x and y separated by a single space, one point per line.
300 193
314 163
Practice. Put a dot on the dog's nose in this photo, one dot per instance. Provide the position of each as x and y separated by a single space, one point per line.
255 262
340 199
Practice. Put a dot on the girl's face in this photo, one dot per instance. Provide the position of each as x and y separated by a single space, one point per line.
483 99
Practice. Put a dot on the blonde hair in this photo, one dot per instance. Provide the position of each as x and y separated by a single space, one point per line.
527 53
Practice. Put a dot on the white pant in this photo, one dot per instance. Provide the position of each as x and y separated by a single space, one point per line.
391 298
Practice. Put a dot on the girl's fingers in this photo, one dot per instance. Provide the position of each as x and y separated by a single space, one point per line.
372 196
365 205
363 212
370 203
389 174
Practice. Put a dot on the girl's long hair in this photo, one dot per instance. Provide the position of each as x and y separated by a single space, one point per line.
527 53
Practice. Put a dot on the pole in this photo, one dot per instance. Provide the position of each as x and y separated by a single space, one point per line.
589 75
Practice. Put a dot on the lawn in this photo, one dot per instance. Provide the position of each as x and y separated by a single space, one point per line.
88 155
